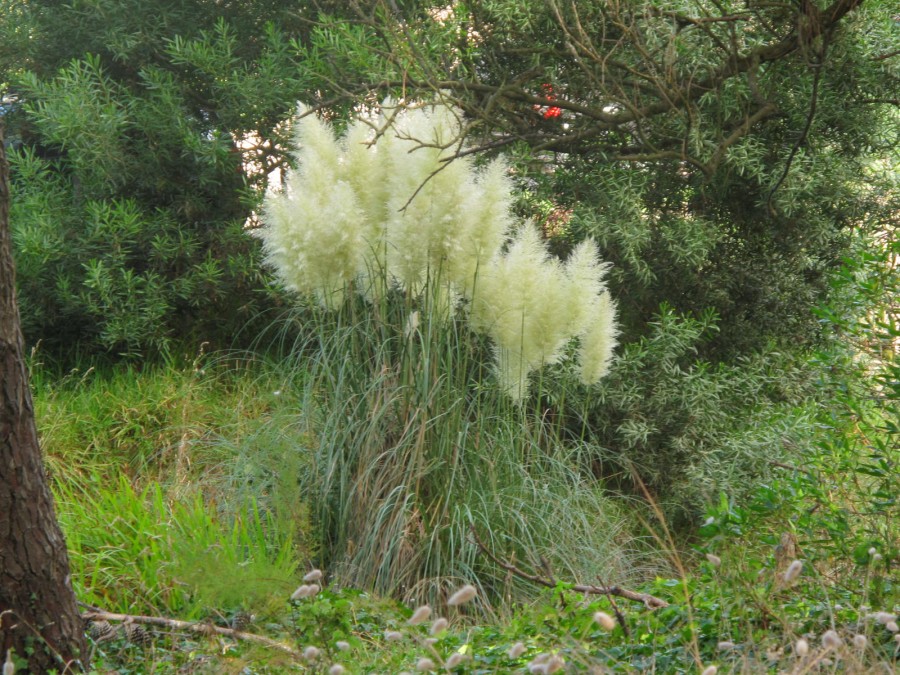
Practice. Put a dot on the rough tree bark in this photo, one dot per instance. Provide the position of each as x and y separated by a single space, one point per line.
39 618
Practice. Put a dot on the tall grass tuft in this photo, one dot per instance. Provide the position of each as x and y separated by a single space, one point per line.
409 445
413 302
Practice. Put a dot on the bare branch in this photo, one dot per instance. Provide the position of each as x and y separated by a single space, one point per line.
201 628
651 602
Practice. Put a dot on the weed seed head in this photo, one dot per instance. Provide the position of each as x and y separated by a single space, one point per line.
424 665
311 653
793 571
892 626
831 640
9 668
439 626
342 645
455 659
305 591
462 596
713 559
337 669
538 665
555 664
725 645
710 670
801 648
516 650
393 635
860 641
420 615
884 618
605 620
315 575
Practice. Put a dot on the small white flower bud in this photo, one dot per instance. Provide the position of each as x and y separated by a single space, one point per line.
831 639
314 575
605 620
420 615
516 650
793 571
439 626
802 647
424 665
462 596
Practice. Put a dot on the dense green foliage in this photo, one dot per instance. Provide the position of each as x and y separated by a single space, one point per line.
144 131
722 155
733 161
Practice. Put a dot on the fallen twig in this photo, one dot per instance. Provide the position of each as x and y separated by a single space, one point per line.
191 626
650 601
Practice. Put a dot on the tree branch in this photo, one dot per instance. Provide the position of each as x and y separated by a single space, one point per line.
192 627
651 602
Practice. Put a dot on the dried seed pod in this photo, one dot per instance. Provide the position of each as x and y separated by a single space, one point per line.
241 620
101 631
136 634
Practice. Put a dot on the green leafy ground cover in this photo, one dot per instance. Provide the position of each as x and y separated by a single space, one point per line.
177 489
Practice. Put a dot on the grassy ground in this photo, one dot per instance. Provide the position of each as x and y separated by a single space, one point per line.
189 492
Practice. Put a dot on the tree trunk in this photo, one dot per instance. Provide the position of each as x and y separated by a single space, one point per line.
39 618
